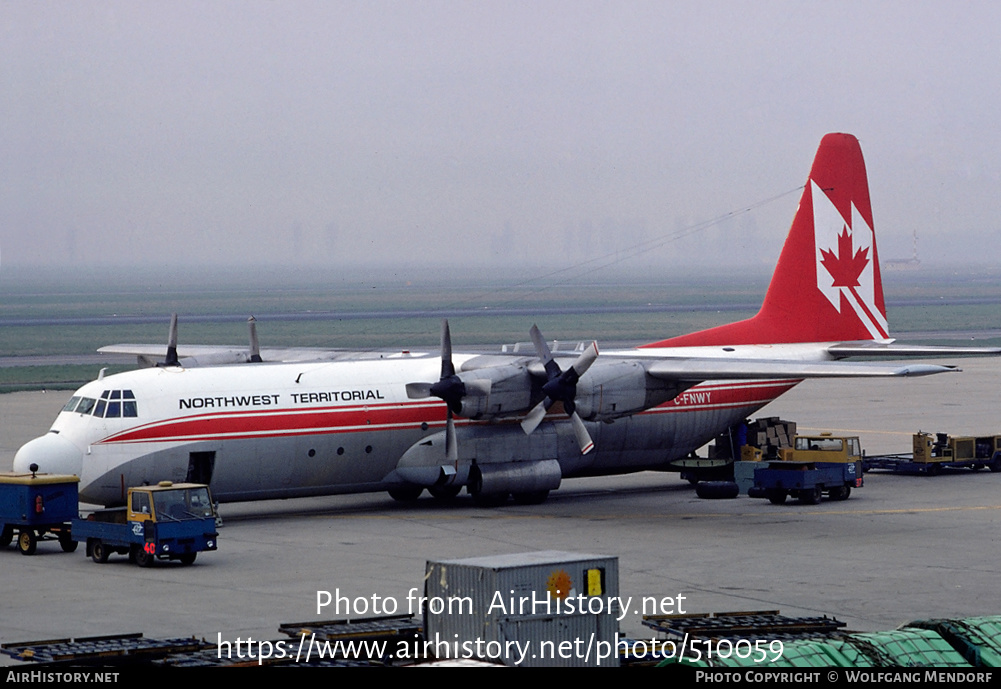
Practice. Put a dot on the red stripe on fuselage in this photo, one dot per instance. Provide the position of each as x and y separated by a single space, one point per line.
291 422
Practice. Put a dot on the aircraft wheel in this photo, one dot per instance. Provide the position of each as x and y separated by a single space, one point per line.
66 542
534 498
406 493
444 492
144 559
777 497
717 490
99 552
6 536
490 499
27 542
188 558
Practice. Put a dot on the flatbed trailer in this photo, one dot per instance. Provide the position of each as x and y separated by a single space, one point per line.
807 481
934 452
39 507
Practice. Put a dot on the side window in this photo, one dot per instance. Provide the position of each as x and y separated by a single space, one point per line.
129 404
140 502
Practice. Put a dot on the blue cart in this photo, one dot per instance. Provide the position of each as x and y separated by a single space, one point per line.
39 507
807 481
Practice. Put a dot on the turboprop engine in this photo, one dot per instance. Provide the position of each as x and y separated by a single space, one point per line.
620 388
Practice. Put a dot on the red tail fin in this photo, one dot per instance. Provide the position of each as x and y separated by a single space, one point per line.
826 286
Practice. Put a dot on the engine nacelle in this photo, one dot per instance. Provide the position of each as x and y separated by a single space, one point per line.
510 392
611 390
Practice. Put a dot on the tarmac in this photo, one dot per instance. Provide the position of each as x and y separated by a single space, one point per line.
901 548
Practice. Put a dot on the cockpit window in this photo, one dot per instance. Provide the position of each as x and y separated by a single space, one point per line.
115 404
86 405
71 405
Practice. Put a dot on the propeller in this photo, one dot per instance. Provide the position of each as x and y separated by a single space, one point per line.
450 389
561 386
210 358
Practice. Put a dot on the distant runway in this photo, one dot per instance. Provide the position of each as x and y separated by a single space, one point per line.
528 312
901 548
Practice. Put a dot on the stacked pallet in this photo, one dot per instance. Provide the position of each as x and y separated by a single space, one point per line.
768 435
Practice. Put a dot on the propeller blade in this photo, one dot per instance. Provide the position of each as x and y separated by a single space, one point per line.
255 346
545 354
534 418
580 431
171 358
585 360
451 444
447 369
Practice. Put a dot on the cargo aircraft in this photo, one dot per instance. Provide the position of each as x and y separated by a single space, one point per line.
515 422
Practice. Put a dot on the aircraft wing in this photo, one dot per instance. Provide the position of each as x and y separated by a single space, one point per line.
215 355
699 369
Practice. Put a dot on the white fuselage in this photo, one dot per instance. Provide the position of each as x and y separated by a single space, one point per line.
295 429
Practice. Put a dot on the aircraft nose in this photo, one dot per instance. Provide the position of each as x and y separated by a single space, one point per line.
52 453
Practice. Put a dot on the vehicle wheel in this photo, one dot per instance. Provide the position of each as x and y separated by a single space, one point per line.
188 558
444 492
996 465
99 552
144 559
27 542
406 493
840 493
534 498
717 490
811 497
6 536
777 497
934 469
66 542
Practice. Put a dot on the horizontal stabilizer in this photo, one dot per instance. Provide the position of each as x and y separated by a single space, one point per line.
699 369
887 349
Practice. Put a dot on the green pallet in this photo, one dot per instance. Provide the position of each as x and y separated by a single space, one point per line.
978 639
907 648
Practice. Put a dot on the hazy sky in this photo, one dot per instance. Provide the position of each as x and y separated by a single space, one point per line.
329 133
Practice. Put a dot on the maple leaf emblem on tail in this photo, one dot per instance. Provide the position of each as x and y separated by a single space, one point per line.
845 268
